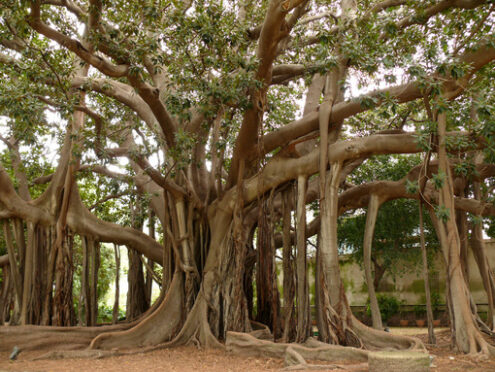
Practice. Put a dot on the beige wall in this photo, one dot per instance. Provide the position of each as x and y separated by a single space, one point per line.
410 287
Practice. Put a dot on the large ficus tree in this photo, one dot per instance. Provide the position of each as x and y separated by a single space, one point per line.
230 116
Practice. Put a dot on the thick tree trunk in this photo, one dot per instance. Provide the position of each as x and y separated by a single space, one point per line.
63 299
336 311
479 253
266 311
467 335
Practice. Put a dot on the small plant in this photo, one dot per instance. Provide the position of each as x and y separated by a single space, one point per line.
389 306
419 311
435 303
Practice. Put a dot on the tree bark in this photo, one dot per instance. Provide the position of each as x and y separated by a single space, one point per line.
371 216
467 335
288 272
303 312
429 311
115 312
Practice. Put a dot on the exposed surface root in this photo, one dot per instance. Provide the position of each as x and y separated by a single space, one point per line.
77 354
295 362
247 345
374 339
157 328
44 337
478 345
196 328
398 361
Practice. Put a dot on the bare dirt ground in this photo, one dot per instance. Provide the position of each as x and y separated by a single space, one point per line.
189 358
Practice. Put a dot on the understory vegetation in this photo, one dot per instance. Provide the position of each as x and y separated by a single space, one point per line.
222 142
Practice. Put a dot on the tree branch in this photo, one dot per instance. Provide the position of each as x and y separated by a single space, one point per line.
74 46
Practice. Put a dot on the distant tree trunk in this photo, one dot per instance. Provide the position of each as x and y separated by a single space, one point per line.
462 227
151 264
115 312
85 282
303 312
136 296
373 206
379 272
167 256
136 292
429 311
95 267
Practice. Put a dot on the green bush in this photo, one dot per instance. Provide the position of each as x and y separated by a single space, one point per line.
435 303
389 306
419 311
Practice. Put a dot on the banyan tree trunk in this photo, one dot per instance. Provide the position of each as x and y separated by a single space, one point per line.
63 313
288 273
136 293
468 337
267 308
479 252
5 295
13 270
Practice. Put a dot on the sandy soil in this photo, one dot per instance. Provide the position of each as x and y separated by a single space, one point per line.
191 359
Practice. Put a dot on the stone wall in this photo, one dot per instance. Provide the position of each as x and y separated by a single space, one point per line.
409 288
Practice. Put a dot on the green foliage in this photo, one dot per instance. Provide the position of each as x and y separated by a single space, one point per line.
396 240
438 179
106 273
105 313
435 303
419 311
412 187
389 305
442 212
